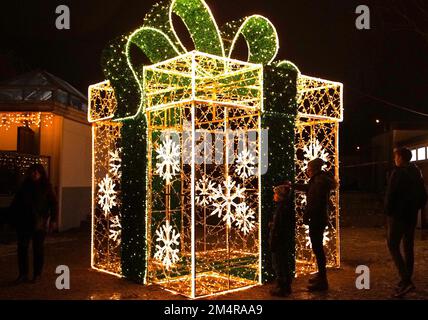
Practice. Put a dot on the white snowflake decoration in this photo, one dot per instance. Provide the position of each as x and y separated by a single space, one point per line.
244 218
326 238
115 229
224 200
304 200
166 250
204 189
106 194
115 163
245 164
313 151
169 160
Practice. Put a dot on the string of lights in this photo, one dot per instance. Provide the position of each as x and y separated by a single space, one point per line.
27 119
171 216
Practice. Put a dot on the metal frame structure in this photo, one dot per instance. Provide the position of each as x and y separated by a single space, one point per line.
202 109
203 206
320 110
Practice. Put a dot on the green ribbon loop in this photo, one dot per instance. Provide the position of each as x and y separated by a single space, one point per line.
159 40
259 34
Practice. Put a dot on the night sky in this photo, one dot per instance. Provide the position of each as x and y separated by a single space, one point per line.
389 62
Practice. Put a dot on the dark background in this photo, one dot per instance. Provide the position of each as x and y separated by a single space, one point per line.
383 69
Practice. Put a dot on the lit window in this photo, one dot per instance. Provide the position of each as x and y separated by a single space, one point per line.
413 155
422 154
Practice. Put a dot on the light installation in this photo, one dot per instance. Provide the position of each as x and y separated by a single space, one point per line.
106 203
27 119
200 247
320 110
179 198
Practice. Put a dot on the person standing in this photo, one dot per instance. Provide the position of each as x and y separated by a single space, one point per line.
34 210
316 216
281 240
405 196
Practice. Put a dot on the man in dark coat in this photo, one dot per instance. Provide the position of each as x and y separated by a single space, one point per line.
316 216
281 240
34 210
405 196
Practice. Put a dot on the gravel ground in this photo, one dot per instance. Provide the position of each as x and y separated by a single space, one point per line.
359 246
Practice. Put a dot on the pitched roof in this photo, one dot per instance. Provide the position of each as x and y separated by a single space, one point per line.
40 85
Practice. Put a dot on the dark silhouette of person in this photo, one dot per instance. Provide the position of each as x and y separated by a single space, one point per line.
34 210
281 234
316 216
405 195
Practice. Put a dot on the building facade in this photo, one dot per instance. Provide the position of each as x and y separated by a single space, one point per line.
43 120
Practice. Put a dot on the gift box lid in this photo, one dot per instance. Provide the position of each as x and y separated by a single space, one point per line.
202 77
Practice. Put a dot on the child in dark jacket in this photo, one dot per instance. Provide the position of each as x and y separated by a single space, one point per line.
281 240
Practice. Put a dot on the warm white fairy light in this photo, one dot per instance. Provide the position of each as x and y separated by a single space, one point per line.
102 102
27 119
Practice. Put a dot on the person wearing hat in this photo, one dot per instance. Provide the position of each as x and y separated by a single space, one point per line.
317 191
281 234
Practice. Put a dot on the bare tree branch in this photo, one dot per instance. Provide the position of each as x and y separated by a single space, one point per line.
409 16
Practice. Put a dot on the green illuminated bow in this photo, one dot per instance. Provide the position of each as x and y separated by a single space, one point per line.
159 41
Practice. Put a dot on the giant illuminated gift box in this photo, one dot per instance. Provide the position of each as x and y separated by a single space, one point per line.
168 208
203 213
203 208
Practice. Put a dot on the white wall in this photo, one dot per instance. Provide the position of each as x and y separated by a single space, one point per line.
75 173
76 154
50 145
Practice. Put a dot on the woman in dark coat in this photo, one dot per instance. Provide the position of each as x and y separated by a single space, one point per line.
34 210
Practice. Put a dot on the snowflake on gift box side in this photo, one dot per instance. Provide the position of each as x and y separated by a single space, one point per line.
245 164
166 250
115 229
224 200
244 218
203 191
106 194
115 163
304 200
325 240
312 151
169 160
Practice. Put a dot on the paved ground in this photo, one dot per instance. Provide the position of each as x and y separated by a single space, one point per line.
359 246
